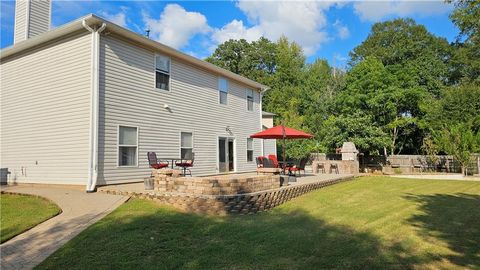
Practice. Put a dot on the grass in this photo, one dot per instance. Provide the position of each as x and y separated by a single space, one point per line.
370 223
22 212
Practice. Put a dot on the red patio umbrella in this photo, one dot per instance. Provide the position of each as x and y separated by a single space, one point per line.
281 132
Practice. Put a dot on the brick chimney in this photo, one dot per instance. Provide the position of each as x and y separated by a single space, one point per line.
32 17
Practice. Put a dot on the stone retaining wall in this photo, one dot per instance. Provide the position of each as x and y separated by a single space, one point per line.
215 185
248 203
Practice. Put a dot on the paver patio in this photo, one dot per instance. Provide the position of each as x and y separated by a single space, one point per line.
79 210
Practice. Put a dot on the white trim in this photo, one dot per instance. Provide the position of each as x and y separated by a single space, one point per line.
155 72
127 145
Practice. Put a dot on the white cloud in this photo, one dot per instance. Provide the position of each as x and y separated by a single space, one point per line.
301 21
119 18
236 30
176 26
377 10
342 30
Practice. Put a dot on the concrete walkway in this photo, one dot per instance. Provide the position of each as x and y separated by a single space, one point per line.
79 210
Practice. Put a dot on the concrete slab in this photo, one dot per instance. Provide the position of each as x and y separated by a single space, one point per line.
79 211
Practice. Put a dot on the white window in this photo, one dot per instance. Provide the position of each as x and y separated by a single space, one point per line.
222 90
162 72
127 146
249 149
250 99
186 145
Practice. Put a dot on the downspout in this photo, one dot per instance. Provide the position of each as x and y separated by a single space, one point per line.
94 104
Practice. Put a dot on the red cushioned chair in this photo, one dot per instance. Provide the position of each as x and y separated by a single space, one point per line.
299 167
153 162
274 159
186 163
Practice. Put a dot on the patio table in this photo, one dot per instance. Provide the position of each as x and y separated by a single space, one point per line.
172 160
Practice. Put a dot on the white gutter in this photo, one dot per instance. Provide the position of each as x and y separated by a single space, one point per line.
94 104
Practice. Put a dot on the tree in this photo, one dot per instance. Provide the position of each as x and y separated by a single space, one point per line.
409 52
466 60
255 60
458 104
460 141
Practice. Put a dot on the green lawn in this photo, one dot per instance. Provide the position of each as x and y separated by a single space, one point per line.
19 213
370 223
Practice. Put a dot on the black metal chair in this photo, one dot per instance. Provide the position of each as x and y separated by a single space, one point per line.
186 163
268 163
321 167
154 163
299 167
333 167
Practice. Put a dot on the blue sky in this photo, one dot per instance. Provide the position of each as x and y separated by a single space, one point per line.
324 29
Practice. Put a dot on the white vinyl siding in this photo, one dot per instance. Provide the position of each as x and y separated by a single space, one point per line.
20 21
31 18
45 112
39 17
126 98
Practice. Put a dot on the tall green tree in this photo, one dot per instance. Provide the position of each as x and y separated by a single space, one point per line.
460 141
466 58
409 52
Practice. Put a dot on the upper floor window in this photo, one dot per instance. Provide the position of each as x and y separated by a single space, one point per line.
222 90
250 99
162 72
127 146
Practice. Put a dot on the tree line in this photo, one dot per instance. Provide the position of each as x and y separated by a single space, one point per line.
405 90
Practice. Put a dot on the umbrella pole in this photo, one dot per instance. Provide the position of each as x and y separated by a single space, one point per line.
284 165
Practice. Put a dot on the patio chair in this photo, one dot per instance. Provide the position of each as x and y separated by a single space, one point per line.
186 163
259 161
299 168
333 167
274 159
321 167
268 163
153 161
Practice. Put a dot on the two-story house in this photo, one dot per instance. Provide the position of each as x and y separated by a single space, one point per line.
84 103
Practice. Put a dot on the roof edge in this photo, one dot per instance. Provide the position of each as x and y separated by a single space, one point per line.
92 19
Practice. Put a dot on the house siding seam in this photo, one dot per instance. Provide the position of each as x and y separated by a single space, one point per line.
45 104
128 97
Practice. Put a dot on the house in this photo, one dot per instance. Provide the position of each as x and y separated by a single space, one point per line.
83 103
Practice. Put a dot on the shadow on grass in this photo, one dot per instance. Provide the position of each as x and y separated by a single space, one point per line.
142 235
454 219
